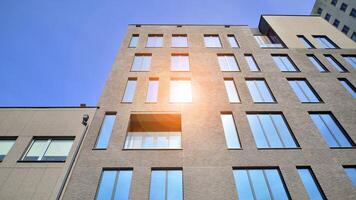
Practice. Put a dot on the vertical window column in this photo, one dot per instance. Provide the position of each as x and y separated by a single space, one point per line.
130 90
105 131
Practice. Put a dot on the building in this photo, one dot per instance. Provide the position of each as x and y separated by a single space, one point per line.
340 13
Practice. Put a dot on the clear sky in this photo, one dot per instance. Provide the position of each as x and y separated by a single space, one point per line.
60 52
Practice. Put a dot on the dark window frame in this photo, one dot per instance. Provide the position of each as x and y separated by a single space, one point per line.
314 179
326 70
101 125
310 87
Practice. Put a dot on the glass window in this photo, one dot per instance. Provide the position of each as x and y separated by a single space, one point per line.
180 62
331 130
228 63
130 90
48 150
325 42
134 40
212 41
317 64
351 59
142 62
351 173
180 90
320 10
152 92
284 63
336 23
266 42
179 41
310 183
327 16
230 131
166 185
305 42
304 91
252 63
348 86
271 131
353 13
154 41
255 184
343 7
259 91
105 131
335 63
353 36
154 131
345 29
333 2
5 146
114 185
231 91
232 41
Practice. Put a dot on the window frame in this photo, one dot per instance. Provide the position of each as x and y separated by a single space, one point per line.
349 84
344 70
138 40
134 92
320 100
290 60
228 36
326 70
348 177
228 55
179 54
141 55
269 90
306 41
235 127
212 35
102 123
254 60
317 38
343 7
166 169
191 90
155 35
227 93
11 138
179 35
315 180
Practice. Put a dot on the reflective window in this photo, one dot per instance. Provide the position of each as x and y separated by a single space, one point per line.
152 92
154 41
130 90
212 41
343 7
231 91
134 40
266 42
310 183
179 41
325 42
105 131
284 63
228 63
142 62
331 130
114 185
230 131
317 64
334 2
166 185
305 42
180 90
351 59
255 184
232 41
320 10
180 62
336 23
48 150
304 91
351 173
335 63
154 131
348 86
252 63
5 146
345 29
353 13
259 91
271 131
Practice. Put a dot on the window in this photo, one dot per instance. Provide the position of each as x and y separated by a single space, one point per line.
333 2
304 91
305 41
114 184
142 62
105 131
327 16
335 63
212 41
320 10
152 92
331 130
230 131
180 62
5 146
154 131
259 91
325 42
130 90
231 90
343 7
227 62
252 63
154 40
166 185
336 23
265 42
353 13
271 131
345 29
179 40
317 64
348 86
134 40
180 90
351 173
351 59
310 183
353 36
263 183
232 41
48 149
284 63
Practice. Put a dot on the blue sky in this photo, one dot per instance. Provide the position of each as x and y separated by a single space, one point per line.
59 53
